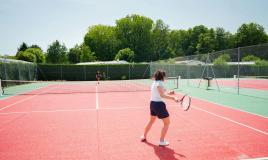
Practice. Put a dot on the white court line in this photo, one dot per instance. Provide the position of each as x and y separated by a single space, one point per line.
141 107
21 93
72 110
23 100
228 119
124 108
50 111
260 158
229 107
97 98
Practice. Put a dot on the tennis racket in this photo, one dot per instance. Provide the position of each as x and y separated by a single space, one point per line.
185 102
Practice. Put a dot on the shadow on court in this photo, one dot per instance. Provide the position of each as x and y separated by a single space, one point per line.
164 153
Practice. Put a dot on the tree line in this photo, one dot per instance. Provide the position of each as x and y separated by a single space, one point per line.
138 38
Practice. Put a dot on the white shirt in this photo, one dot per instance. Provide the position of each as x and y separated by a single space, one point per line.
155 96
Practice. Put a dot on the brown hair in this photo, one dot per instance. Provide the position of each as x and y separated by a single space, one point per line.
159 75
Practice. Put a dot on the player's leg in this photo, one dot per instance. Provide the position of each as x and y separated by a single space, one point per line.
166 122
148 127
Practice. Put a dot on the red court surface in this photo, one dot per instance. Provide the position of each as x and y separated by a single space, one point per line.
260 84
108 125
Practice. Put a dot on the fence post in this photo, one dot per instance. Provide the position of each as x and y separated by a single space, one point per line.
85 73
128 71
61 72
18 67
29 73
238 70
187 72
35 77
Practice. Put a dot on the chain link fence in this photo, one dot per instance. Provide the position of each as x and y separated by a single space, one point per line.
17 70
240 70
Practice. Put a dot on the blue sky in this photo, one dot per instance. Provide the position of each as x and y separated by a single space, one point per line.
43 21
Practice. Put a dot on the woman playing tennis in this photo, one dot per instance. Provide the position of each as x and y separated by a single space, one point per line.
158 106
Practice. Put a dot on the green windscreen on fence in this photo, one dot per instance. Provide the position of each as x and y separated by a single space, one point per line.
17 70
88 72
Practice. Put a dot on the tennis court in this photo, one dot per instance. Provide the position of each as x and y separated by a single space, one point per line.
244 83
86 120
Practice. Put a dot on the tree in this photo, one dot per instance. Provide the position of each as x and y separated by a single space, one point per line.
222 59
35 46
26 56
74 54
134 32
250 34
194 38
262 62
125 54
86 54
206 42
223 39
40 56
160 33
103 41
22 47
250 58
178 42
56 53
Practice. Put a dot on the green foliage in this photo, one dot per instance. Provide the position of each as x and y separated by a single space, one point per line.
261 62
223 39
250 58
74 54
56 53
26 56
23 47
81 53
35 46
250 34
87 55
125 54
34 49
103 41
222 59
178 42
152 41
134 32
124 77
40 56
160 33
194 38
206 42
171 61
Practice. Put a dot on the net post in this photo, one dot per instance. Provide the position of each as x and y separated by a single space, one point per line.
187 72
178 77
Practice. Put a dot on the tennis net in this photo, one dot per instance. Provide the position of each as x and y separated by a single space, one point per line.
15 87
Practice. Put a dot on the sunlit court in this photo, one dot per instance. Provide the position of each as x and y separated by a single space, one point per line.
133 80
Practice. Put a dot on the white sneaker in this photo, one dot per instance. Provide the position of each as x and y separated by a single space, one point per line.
163 143
143 139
